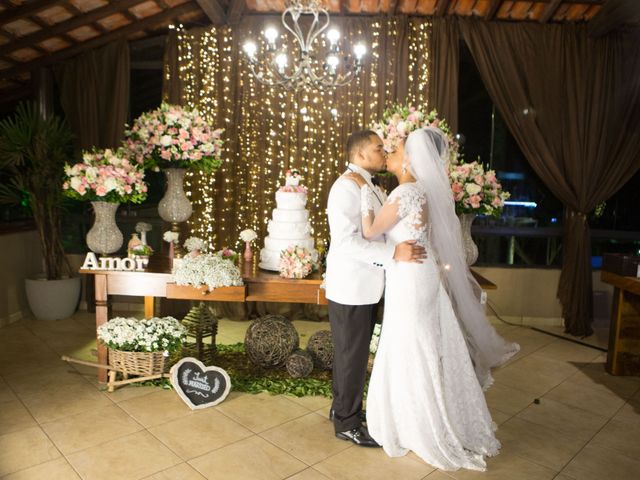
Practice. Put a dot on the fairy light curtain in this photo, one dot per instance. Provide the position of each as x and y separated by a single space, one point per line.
269 130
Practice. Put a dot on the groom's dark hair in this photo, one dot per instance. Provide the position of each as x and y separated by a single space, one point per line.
358 140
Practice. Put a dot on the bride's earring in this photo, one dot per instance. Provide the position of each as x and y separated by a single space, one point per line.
404 168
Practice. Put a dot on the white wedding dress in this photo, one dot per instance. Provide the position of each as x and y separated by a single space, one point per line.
424 394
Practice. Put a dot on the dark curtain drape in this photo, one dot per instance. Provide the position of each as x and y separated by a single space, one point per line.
94 92
445 69
572 104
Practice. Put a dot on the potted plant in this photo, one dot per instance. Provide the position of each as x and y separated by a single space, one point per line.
33 150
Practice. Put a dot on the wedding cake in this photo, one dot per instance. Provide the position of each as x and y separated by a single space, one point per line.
289 224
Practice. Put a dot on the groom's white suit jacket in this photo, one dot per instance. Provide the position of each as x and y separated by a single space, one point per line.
355 266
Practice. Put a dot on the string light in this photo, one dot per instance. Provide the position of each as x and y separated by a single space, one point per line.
277 129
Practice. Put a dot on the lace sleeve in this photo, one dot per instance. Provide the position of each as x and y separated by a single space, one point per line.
366 201
411 202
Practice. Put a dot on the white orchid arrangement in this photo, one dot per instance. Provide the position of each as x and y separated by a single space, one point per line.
211 270
248 235
152 335
171 237
193 244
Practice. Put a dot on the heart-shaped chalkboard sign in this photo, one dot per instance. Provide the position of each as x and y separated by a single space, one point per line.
198 385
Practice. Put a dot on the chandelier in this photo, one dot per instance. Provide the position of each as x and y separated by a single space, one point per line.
310 69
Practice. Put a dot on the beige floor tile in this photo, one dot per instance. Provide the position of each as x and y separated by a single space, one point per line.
507 466
437 475
250 459
311 402
357 463
598 463
308 474
182 471
525 379
128 392
54 470
156 408
48 406
14 417
538 444
569 352
197 434
48 380
262 411
508 399
93 427
571 421
498 416
6 394
595 374
135 456
621 436
310 438
24 449
597 398
549 367
629 413
562 476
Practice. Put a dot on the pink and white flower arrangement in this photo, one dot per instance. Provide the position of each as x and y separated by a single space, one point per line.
297 262
228 254
105 175
174 137
476 190
400 120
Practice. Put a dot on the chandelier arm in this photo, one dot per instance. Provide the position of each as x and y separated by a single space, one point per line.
297 33
313 33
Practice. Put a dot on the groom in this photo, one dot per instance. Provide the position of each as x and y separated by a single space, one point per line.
355 283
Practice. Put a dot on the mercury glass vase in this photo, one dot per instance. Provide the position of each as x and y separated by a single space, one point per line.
104 237
470 248
175 206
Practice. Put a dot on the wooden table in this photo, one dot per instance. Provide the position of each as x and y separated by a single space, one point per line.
623 357
260 286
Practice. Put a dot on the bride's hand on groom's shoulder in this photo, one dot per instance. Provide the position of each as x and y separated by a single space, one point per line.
357 178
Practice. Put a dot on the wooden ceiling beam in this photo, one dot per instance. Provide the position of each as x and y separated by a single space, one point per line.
235 11
549 11
213 10
442 7
613 15
26 9
71 24
393 7
95 42
494 6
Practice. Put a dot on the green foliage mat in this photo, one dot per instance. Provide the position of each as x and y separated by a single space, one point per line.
247 377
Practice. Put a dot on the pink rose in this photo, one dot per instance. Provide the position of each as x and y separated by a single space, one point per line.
479 180
456 187
101 191
127 189
185 146
165 154
497 202
475 200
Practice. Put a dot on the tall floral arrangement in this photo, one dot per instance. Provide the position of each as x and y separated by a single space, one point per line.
105 175
476 190
174 136
400 120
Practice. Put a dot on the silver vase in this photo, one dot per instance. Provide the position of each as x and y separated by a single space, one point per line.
175 206
470 248
104 237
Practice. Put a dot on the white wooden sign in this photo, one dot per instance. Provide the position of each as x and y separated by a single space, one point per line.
91 262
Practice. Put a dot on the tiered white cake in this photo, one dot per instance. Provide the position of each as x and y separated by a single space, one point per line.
289 224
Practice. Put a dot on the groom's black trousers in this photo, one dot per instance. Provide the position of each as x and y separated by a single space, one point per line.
351 330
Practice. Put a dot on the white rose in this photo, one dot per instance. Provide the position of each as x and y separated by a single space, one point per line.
75 183
401 127
165 140
110 183
472 188
91 174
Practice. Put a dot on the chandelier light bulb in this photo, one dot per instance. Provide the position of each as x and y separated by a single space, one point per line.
281 61
360 50
271 34
333 61
333 36
250 49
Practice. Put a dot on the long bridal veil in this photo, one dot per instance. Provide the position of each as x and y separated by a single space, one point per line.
427 152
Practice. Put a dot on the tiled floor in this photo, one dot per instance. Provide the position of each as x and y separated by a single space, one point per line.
56 422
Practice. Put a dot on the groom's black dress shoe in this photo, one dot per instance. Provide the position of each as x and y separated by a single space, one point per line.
360 436
362 415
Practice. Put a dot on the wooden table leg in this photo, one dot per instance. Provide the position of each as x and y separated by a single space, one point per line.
148 306
102 316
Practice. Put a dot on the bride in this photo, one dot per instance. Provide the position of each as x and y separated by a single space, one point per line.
437 347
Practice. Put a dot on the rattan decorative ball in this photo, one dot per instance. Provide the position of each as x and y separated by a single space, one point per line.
320 347
270 340
299 364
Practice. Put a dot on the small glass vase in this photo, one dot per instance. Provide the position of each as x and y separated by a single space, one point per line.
104 237
175 207
470 248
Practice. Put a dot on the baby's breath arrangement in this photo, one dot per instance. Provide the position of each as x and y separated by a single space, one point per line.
209 269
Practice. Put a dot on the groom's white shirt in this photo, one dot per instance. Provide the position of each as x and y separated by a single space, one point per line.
355 266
